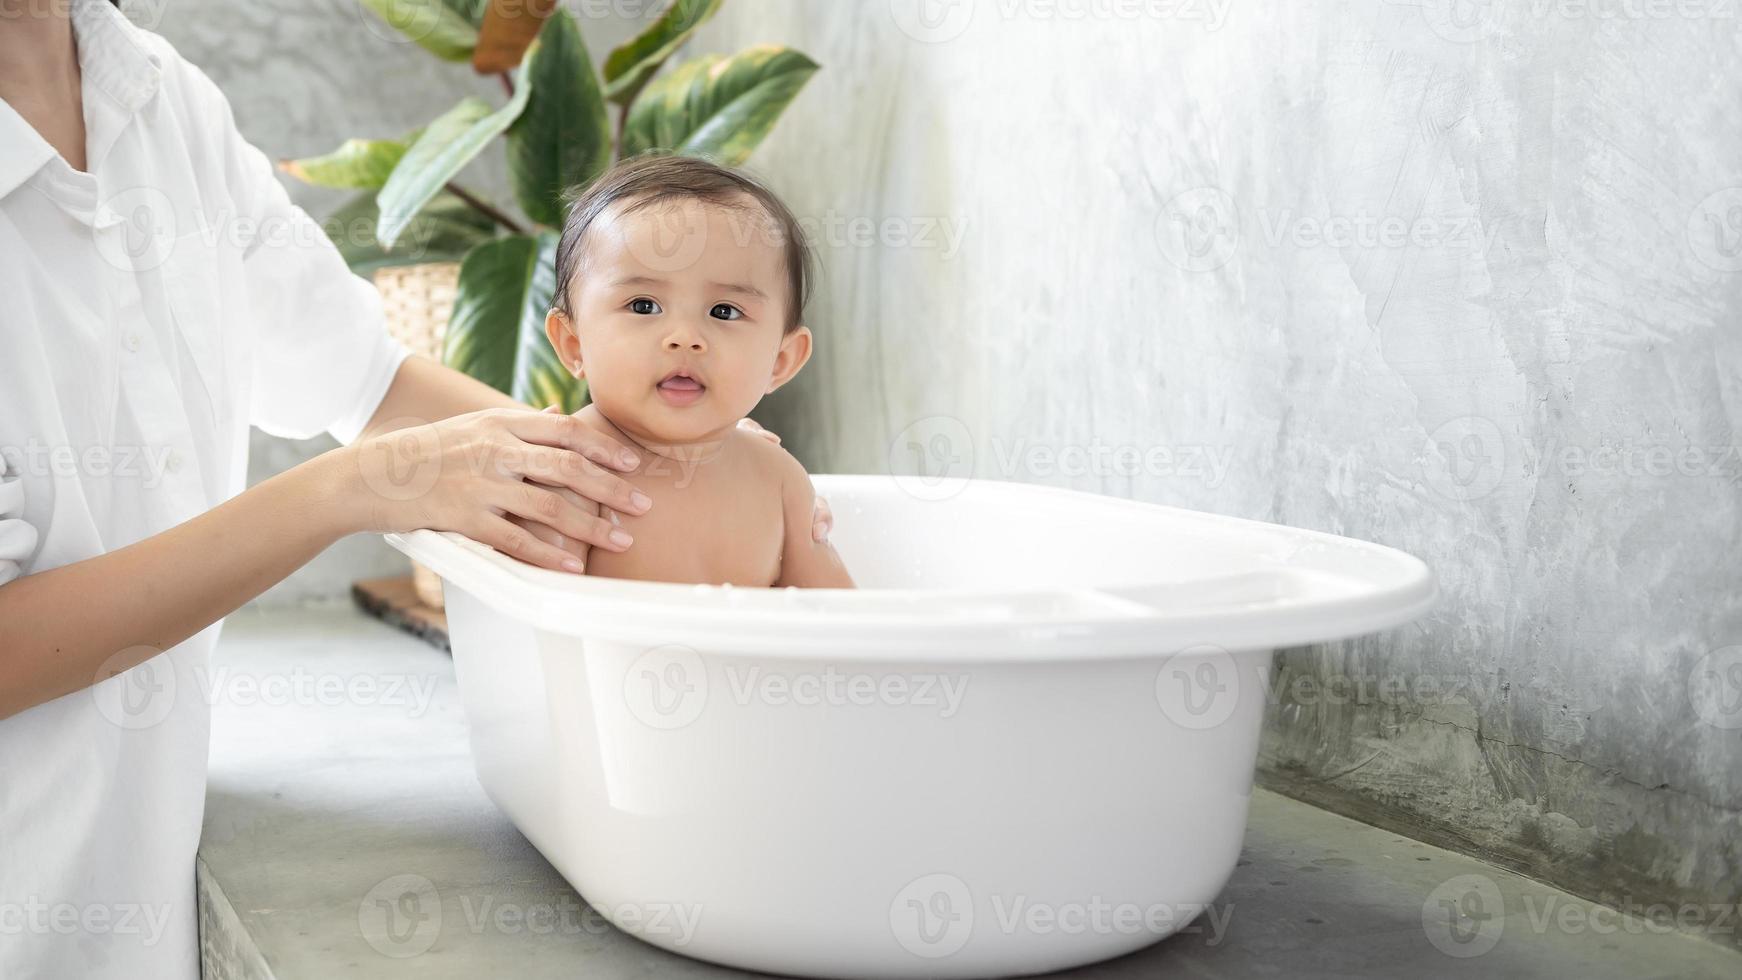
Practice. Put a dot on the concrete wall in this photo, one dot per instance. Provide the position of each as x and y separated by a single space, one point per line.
1462 279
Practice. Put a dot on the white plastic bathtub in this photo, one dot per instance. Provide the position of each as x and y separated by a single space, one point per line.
1027 742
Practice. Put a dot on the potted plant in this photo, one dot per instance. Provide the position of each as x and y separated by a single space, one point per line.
466 280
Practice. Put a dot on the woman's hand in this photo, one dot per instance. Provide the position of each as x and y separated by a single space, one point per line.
822 518
498 476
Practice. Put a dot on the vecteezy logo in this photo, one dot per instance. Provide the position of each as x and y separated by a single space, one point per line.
1459 21
932 458
137 697
679 236
1464 916
397 23
666 687
1464 458
933 916
1715 688
144 13
1715 230
401 916
135 229
1198 687
403 464
932 21
1199 230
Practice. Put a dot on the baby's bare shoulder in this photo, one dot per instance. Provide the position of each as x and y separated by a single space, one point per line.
768 460
805 562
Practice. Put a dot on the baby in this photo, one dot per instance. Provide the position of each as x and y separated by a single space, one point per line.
680 286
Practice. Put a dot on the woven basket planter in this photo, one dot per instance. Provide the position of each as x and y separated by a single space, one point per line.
418 300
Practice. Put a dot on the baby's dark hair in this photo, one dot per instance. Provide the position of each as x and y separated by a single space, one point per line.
651 179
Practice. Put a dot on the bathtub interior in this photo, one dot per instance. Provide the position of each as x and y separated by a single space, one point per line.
1007 536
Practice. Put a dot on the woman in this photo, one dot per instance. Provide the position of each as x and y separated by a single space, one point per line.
163 294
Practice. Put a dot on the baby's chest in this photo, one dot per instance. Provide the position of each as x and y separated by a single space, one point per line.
713 532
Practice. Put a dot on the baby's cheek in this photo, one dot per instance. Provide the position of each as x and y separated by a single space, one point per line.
618 403
745 392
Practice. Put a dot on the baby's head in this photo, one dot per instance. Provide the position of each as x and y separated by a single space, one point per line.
671 267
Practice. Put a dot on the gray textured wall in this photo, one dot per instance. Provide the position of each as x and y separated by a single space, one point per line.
1462 278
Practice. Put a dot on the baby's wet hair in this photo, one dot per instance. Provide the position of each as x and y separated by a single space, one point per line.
652 179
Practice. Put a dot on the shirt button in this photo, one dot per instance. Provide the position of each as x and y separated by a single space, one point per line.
172 462
131 340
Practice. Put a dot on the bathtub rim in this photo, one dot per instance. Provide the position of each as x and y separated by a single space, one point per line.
825 623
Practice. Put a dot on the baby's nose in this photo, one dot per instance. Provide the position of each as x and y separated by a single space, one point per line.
685 340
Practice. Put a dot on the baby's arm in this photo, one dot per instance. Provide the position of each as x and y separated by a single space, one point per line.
804 562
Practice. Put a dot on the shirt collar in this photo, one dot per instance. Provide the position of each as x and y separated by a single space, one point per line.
114 63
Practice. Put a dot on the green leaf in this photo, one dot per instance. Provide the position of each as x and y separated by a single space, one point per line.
471 10
444 231
564 137
441 27
497 335
540 380
717 108
631 64
482 334
448 143
358 164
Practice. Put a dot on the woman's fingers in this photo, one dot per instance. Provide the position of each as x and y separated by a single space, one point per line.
568 432
751 425
547 507
529 484
513 540
552 537
562 468
822 519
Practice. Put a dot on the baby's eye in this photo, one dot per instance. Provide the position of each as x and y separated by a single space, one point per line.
643 306
725 311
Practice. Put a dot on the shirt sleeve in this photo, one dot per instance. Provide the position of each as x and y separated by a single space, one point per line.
17 536
323 359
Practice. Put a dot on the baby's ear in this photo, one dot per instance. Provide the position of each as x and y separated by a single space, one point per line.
564 342
795 350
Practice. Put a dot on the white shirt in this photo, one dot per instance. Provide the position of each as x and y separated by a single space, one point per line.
150 311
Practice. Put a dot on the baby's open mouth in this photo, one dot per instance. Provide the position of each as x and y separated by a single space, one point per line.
679 388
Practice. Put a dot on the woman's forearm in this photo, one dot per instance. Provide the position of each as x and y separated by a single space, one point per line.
60 628
425 391
67 628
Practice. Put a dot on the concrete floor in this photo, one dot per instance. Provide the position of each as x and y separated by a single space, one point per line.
347 837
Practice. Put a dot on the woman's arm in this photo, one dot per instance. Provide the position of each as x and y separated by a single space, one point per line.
67 628
70 627
424 391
